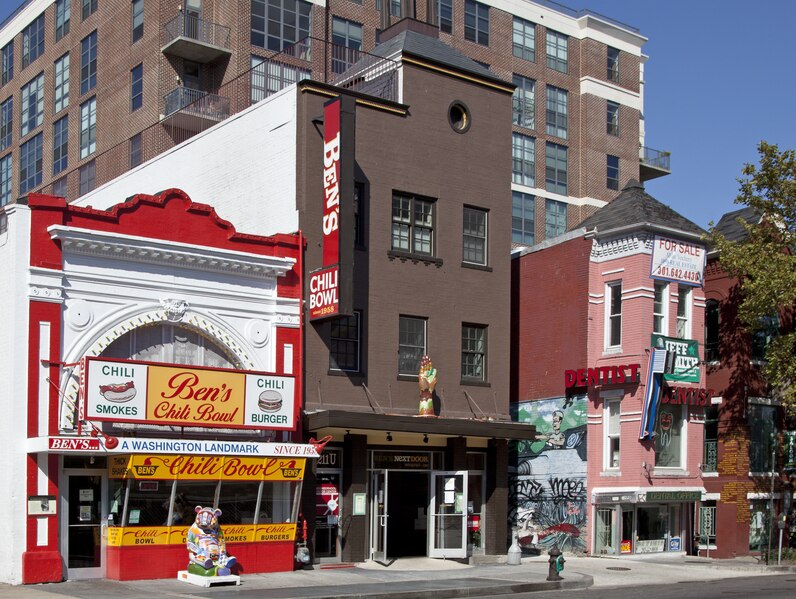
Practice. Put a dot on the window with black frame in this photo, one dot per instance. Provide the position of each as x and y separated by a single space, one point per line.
411 344
412 224
344 343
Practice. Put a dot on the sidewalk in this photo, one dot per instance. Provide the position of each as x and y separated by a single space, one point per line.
416 578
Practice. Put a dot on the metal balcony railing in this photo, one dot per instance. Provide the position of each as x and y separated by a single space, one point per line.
196 102
192 27
656 158
710 456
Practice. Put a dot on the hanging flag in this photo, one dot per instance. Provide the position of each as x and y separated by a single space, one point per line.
652 393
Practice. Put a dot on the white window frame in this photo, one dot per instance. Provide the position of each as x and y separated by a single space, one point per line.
609 436
686 317
664 313
609 286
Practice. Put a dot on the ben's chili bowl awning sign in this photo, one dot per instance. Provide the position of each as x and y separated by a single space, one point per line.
145 392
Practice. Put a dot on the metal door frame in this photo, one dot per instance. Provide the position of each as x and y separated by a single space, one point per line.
83 573
461 552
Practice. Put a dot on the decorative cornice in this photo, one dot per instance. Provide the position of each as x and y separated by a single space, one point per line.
621 246
46 285
154 251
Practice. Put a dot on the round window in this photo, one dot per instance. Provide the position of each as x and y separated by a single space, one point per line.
459 116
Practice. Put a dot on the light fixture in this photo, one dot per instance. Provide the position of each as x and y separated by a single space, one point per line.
389 437
425 438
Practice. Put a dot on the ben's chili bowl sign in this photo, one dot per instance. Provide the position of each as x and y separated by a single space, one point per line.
128 391
170 467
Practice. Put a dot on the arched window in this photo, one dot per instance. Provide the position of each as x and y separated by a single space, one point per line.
170 344
711 330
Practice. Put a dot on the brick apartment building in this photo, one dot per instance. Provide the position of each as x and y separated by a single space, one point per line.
92 88
615 465
745 427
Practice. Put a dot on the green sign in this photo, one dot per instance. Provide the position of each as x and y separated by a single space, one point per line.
674 495
685 360
790 450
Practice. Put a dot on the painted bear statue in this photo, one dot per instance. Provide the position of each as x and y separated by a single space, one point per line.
206 547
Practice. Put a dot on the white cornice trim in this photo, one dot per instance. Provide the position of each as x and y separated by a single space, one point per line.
610 91
180 255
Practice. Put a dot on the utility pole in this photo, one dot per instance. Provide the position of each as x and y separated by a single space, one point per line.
771 496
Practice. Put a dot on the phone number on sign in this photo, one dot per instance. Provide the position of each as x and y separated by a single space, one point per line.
679 273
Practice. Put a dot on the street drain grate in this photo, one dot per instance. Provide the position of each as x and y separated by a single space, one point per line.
617 568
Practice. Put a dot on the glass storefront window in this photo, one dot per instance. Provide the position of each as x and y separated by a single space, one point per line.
238 502
652 528
148 502
605 532
327 513
758 515
669 437
276 503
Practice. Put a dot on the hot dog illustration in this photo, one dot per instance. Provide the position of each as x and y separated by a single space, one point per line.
121 393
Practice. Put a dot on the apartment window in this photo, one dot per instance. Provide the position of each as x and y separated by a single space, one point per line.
138 19
61 18
347 40
476 22
710 451
556 168
612 126
8 62
474 236
276 24
613 314
555 218
613 64
524 39
712 321
269 77
612 432
412 224
473 352
61 83
557 51
30 164
88 128
33 41
660 309
395 8
6 123
556 112
523 150
683 312
345 343
524 102
359 214
136 154
5 179
32 110
522 217
669 436
88 62
445 15
136 87
411 344
59 187
88 177
89 8
762 431
60 145
768 328
612 172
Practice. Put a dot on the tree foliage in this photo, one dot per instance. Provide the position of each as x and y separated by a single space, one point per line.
764 261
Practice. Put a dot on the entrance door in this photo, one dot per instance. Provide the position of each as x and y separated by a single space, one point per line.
82 544
378 511
447 515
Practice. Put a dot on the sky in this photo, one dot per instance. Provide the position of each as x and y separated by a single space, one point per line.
719 79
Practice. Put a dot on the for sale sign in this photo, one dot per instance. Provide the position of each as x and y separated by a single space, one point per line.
680 261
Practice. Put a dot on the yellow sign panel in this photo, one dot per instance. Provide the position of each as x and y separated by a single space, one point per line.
186 396
176 535
182 467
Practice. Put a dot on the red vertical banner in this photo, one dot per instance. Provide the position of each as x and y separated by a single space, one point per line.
331 182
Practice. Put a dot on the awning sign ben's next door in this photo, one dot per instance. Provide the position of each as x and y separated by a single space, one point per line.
170 467
144 392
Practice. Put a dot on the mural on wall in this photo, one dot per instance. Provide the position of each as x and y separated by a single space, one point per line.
548 484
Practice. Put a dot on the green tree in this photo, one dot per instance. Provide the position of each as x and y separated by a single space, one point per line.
764 261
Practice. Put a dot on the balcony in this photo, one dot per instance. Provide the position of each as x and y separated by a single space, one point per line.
193 109
654 163
192 38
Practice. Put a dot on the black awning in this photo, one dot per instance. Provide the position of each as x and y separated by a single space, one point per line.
454 427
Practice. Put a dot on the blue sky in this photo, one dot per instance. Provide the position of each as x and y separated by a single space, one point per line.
718 81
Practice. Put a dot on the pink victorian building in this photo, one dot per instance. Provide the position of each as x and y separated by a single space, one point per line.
607 364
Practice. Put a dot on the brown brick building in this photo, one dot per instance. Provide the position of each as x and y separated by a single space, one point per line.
93 88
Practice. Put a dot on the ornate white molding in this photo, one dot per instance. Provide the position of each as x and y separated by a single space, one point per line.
175 255
621 246
46 285
173 308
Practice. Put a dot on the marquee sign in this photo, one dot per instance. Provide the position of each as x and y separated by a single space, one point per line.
330 286
171 467
145 392
680 261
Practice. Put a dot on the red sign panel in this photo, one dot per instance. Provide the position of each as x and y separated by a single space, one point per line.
74 444
331 182
325 292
